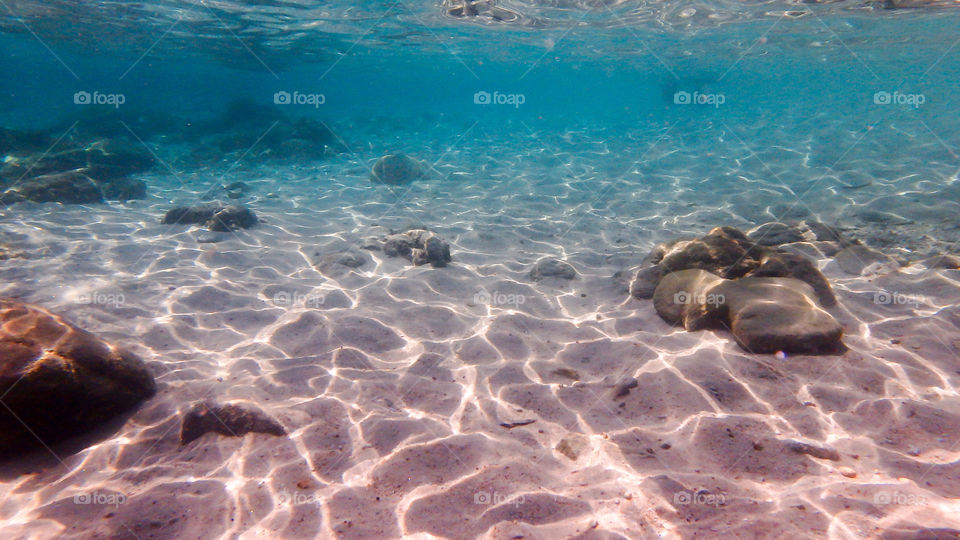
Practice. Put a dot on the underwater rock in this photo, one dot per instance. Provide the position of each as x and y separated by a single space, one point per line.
397 169
231 218
420 246
764 314
728 253
68 188
860 260
552 268
231 420
58 380
798 267
236 190
724 251
775 233
102 160
215 216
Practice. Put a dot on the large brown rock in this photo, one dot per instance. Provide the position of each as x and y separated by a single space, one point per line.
730 254
765 315
57 380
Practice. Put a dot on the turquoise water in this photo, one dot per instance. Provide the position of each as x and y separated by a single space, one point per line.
473 398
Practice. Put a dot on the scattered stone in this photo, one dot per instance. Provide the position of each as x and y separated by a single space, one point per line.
552 268
419 246
511 425
68 188
567 372
819 452
236 190
215 216
232 420
860 260
623 389
58 380
765 315
397 169
572 445
847 471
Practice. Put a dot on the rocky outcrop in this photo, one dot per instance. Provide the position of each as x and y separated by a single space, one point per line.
764 314
108 163
58 380
68 188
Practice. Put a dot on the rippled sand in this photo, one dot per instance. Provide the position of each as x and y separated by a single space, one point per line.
471 401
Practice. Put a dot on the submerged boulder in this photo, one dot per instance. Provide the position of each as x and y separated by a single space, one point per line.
58 380
765 315
397 169
71 187
215 216
232 420
730 254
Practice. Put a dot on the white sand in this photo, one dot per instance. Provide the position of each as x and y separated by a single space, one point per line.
393 380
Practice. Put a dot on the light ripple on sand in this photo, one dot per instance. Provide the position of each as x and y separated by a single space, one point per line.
394 380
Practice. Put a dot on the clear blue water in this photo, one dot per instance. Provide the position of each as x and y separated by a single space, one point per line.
586 131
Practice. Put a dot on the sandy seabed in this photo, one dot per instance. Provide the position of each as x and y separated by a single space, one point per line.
472 401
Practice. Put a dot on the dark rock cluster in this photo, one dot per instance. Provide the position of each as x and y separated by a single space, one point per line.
216 216
771 299
419 246
82 173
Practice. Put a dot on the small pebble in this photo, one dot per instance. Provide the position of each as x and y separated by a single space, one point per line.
848 472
